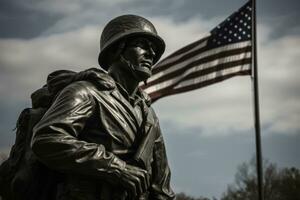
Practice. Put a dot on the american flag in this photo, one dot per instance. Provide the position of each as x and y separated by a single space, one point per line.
224 53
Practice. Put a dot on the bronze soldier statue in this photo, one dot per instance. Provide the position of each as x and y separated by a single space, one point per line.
103 136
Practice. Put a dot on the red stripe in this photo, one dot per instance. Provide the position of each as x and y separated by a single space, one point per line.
163 93
208 71
161 66
218 68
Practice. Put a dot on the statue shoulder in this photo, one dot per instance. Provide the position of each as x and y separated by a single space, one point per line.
91 79
100 78
82 84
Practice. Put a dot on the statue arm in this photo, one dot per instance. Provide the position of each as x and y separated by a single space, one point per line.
160 188
55 140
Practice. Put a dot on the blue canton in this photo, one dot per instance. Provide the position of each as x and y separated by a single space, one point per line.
234 29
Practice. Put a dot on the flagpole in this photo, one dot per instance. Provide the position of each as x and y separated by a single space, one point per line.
259 166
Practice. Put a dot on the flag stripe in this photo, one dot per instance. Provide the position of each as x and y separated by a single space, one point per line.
200 62
196 55
211 72
172 83
183 51
163 93
203 68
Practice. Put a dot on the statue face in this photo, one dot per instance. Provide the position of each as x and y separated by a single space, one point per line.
140 53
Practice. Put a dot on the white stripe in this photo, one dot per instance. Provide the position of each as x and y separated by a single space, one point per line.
213 75
199 56
171 58
200 67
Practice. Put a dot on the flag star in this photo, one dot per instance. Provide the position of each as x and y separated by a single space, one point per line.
229 40
230 31
249 35
241 21
249 18
235 26
245 24
225 37
236 18
240 37
248 27
235 35
240 29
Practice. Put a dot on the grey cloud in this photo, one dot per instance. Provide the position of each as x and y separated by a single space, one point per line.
30 18
183 10
17 21
277 7
279 83
283 24
24 59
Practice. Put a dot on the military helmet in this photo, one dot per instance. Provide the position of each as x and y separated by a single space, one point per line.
126 26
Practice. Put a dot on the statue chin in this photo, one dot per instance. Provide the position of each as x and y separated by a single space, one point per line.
142 74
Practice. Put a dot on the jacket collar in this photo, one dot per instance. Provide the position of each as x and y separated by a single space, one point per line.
140 95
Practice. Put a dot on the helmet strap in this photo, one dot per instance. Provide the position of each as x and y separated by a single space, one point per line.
131 67
128 63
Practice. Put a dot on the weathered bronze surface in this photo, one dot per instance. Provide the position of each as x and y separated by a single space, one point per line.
101 133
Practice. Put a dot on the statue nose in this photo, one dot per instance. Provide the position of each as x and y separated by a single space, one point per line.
151 53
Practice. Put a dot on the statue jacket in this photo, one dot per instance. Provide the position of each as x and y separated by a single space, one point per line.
86 126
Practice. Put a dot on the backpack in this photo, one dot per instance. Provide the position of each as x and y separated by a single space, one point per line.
22 175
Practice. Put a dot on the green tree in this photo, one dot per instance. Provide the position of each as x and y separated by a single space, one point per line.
278 184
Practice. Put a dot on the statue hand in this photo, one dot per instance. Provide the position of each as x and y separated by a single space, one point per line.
134 179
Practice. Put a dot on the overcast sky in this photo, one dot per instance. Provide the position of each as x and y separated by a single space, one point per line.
208 132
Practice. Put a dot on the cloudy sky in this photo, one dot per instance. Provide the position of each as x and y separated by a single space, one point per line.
208 132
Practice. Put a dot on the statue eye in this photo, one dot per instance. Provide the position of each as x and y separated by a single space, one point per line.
143 43
136 44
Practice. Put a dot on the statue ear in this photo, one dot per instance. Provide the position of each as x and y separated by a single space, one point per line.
120 49
116 51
